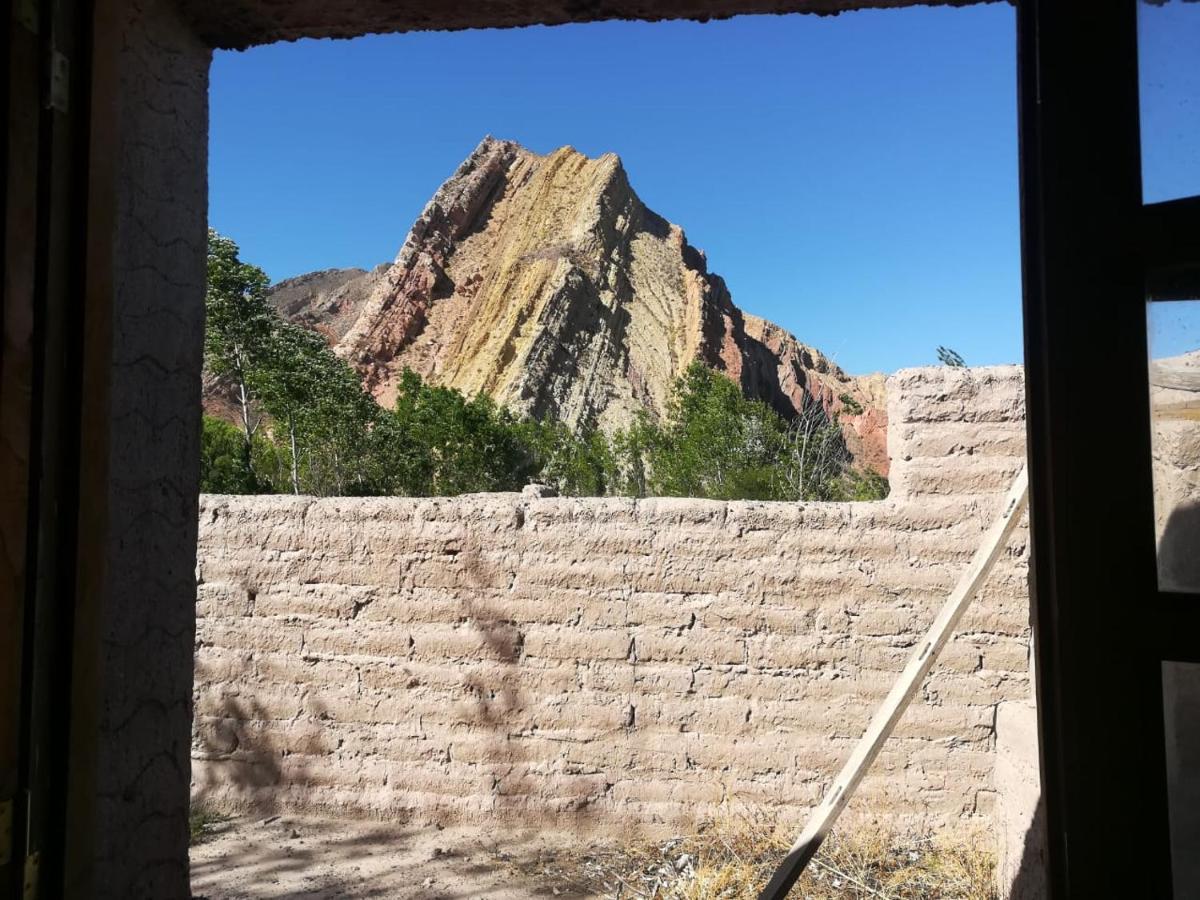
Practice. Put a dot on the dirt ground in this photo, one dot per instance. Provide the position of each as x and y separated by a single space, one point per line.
323 859
253 858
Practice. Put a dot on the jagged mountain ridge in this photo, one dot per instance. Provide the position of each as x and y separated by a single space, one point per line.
546 282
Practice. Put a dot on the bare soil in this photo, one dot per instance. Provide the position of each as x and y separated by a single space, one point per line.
323 859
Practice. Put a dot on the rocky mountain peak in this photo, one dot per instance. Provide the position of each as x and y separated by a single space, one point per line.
546 282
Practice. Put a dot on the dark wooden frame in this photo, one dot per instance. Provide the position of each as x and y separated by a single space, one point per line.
45 230
1102 627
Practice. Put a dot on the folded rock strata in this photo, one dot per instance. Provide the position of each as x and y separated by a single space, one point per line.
545 282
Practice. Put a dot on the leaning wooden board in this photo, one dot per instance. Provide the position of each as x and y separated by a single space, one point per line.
910 680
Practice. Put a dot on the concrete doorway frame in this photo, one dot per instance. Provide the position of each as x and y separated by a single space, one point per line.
104 230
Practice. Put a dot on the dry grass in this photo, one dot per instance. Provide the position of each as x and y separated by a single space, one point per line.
733 859
203 823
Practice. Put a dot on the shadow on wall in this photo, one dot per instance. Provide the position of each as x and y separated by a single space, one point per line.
242 766
1179 549
1179 569
528 774
499 707
268 751
1029 882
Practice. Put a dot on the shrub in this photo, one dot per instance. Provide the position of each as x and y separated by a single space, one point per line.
576 464
716 443
436 441
852 406
225 461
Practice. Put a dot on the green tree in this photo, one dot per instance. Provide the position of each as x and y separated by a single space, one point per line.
632 449
225 466
850 405
238 327
814 460
336 426
436 441
321 413
864 484
715 442
575 463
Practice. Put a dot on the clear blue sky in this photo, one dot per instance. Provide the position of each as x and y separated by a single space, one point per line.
853 178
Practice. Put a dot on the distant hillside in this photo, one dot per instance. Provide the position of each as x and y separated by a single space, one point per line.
328 301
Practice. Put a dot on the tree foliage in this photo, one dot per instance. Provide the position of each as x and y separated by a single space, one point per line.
306 425
948 357
575 463
237 331
224 463
319 410
717 443
314 407
436 441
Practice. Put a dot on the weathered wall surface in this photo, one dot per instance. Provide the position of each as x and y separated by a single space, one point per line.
1020 817
131 703
243 23
605 661
1175 411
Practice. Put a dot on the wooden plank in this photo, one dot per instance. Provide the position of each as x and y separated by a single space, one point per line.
897 700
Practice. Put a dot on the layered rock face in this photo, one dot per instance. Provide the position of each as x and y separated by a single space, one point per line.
545 282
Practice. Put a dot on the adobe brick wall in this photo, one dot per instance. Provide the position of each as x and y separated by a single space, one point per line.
606 662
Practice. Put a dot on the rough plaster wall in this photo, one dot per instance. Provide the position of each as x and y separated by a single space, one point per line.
141 837
1020 814
1177 504
593 662
242 23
